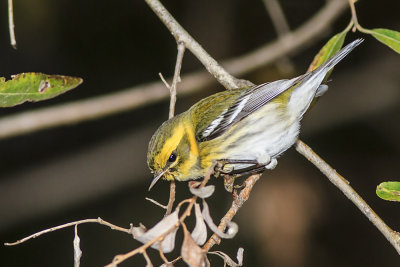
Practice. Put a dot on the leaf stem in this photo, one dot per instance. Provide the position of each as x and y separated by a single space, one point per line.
355 19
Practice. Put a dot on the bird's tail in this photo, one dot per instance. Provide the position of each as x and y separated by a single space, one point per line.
310 83
325 67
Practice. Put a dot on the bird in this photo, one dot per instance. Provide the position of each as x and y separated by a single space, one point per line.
244 129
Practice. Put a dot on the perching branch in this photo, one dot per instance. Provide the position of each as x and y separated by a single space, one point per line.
239 199
340 182
337 180
141 95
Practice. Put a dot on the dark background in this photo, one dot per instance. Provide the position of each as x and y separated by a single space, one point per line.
295 216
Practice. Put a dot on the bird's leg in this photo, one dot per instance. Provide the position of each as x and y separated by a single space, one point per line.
221 168
231 174
229 182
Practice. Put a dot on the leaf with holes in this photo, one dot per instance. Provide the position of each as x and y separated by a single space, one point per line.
389 191
388 37
34 87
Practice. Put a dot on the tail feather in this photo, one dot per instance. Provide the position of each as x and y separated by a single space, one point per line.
310 83
325 67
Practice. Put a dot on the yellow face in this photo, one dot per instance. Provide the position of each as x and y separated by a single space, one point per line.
173 152
166 159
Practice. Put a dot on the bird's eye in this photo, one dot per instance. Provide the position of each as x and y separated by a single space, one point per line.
172 157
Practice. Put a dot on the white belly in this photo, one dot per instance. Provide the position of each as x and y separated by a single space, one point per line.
262 136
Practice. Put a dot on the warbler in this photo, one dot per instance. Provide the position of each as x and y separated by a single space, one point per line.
245 129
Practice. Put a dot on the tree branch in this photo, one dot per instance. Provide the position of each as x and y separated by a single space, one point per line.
338 180
343 185
238 201
100 106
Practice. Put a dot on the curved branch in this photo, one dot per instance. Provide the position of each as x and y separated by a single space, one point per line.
52 229
100 106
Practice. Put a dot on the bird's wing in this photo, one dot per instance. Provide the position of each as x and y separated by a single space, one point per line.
245 104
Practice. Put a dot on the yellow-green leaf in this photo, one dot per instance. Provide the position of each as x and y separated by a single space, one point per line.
389 191
34 87
388 37
328 50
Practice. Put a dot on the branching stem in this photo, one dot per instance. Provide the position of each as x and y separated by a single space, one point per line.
354 18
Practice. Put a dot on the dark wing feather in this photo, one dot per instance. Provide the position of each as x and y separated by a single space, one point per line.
255 98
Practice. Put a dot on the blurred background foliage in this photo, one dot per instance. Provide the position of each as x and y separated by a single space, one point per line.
294 217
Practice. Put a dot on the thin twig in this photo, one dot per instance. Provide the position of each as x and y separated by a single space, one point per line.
11 25
140 250
176 79
171 200
98 220
156 203
120 258
145 94
354 18
164 81
237 203
353 15
162 255
172 89
148 261
175 260
343 185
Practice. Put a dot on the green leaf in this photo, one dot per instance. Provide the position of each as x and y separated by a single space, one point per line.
389 191
328 50
387 37
34 87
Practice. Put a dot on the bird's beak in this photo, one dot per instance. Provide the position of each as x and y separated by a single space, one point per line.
156 178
